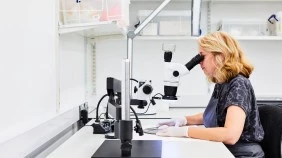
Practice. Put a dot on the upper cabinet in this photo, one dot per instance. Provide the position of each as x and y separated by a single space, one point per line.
93 18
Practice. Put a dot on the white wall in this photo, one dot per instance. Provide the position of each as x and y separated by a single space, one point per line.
72 71
266 57
72 86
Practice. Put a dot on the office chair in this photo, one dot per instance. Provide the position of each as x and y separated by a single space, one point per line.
271 120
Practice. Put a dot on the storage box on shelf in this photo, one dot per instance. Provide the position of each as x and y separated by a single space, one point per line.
179 20
80 15
116 10
243 28
81 11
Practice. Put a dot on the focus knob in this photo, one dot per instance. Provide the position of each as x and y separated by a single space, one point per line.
175 73
147 89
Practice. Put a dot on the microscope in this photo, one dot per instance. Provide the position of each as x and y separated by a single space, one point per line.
173 72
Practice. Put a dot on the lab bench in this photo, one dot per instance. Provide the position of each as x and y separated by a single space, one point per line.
84 143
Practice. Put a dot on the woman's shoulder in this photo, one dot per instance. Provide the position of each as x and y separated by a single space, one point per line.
240 79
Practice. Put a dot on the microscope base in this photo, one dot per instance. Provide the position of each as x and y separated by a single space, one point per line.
140 148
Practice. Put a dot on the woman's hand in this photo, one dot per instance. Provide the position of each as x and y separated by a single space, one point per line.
171 131
177 122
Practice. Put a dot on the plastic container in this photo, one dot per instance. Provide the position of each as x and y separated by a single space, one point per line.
116 10
179 20
243 28
81 11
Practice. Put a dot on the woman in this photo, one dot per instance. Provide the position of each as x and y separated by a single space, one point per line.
232 114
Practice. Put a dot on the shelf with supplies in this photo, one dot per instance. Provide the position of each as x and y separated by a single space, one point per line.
94 29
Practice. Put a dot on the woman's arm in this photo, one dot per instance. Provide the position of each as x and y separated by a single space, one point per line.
229 134
195 119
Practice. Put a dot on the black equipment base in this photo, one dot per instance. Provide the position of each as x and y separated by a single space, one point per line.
140 149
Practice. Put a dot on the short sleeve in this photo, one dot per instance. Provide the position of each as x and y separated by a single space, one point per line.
238 94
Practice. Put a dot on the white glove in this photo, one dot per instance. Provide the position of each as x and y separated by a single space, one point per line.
177 122
173 131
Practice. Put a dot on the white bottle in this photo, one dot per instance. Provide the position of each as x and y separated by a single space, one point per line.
279 23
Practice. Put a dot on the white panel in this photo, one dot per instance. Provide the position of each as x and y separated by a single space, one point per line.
72 71
27 65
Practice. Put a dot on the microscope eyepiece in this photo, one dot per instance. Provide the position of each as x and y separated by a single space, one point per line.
194 61
167 56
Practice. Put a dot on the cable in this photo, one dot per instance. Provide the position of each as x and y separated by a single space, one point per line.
138 128
154 97
132 79
148 107
144 113
97 109
101 115
158 94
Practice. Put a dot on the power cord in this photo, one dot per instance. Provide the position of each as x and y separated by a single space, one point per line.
97 109
152 101
138 127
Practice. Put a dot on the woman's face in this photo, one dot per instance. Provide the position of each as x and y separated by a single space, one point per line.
208 65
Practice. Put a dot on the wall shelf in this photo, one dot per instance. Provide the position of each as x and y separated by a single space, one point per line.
166 38
93 29
255 38
259 38
211 0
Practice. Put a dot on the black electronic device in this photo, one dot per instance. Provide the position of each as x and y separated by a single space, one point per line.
114 103
113 108
102 127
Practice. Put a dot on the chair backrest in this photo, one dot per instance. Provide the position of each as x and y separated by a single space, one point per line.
271 120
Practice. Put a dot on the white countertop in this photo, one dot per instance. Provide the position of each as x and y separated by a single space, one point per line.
84 143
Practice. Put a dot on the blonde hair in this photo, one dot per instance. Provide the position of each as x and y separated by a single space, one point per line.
228 56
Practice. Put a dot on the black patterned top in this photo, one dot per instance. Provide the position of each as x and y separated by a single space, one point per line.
239 92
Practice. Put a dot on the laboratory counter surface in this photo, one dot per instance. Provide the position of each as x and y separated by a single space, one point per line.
83 144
